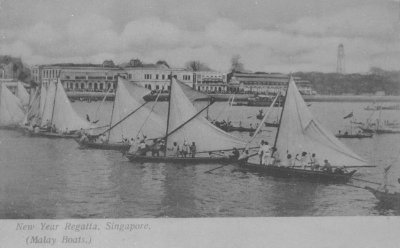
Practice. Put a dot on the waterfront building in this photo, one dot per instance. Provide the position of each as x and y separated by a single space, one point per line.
264 83
155 76
79 77
210 81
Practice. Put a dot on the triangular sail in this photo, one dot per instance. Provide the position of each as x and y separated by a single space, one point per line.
129 97
300 132
191 93
199 130
48 103
11 110
64 116
22 94
42 100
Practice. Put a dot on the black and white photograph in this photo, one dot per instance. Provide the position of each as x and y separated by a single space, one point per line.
163 110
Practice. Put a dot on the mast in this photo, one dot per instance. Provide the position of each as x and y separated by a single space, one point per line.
112 111
169 110
283 108
54 104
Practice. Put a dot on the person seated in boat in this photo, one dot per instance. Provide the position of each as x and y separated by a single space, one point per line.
36 129
84 138
142 149
303 161
314 163
346 133
53 129
156 148
288 162
185 149
235 154
327 166
340 170
193 149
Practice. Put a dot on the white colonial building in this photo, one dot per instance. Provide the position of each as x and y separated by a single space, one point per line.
265 83
210 81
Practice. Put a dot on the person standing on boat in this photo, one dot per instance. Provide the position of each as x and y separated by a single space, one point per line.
275 160
384 185
175 149
193 149
288 162
260 151
314 162
266 154
185 149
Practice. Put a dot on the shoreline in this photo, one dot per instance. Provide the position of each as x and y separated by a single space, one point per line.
244 97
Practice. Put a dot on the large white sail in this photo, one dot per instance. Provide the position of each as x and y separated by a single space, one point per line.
128 98
199 130
22 94
301 132
48 103
64 116
11 110
42 101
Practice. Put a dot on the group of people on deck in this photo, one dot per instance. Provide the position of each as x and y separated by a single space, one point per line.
269 156
184 151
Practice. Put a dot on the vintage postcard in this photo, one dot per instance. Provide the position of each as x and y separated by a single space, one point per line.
214 123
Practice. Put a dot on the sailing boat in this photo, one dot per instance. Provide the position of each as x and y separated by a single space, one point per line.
58 118
130 118
379 127
22 94
300 132
360 134
11 110
186 126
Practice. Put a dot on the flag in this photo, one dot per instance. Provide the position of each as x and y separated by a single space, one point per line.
348 116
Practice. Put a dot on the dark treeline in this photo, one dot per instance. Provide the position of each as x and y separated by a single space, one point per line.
334 83
20 71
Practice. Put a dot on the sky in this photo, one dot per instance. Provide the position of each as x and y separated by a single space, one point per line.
269 35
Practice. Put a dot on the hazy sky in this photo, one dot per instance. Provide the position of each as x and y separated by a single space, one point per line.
269 35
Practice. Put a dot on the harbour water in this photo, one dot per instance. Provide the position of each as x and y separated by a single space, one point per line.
53 178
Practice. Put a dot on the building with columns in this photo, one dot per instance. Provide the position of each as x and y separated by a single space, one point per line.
265 83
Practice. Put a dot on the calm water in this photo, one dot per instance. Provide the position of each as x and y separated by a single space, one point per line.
53 178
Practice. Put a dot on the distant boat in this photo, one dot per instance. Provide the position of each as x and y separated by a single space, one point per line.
11 109
355 135
55 110
185 124
378 107
299 132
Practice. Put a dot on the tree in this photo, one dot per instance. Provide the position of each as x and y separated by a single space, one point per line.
196 65
162 62
236 65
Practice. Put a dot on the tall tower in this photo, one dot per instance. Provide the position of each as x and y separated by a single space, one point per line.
340 60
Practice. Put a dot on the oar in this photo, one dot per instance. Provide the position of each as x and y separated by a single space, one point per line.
362 180
209 171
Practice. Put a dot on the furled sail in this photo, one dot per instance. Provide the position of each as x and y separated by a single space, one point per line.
64 116
11 110
128 98
300 132
199 130
22 94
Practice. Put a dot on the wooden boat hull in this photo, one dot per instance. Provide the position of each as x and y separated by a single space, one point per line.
390 199
354 136
179 160
104 146
53 135
309 175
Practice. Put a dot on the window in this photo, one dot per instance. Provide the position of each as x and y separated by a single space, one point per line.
156 76
101 86
147 76
130 76
157 87
149 87
82 85
76 85
186 77
163 76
